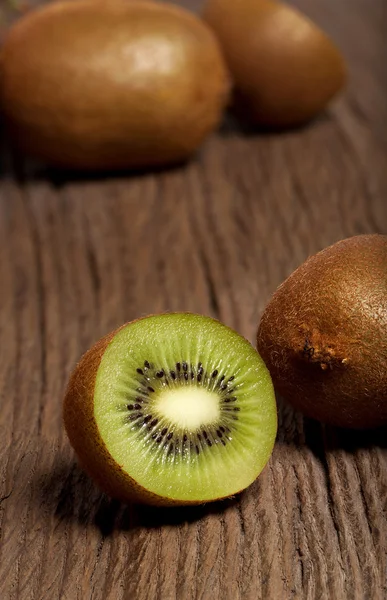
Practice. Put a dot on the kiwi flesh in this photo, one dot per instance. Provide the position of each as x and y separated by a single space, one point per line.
285 69
323 335
111 85
172 409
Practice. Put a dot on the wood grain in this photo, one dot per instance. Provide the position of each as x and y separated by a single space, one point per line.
80 255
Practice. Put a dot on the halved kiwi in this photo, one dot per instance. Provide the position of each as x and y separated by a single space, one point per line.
172 409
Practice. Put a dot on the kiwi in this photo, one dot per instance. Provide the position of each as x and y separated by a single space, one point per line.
285 68
172 409
323 335
111 85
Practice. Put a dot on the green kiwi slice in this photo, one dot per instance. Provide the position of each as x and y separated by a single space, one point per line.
185 406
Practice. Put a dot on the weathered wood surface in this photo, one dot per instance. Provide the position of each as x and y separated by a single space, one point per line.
81 255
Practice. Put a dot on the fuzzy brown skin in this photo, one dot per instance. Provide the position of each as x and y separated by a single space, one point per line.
111 85
83 433
323 335
285 68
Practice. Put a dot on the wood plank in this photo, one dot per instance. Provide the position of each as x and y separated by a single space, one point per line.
79 255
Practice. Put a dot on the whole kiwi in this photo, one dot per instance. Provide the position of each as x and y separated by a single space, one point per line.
323 336
109 85
284 67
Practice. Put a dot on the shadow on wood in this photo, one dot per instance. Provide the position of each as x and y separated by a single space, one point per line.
69 494
295 429
235 124
24 168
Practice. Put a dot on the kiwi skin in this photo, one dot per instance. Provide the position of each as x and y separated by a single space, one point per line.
285 69
323 335
83 433
111 85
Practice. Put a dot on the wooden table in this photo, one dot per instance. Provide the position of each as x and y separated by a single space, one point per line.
80 255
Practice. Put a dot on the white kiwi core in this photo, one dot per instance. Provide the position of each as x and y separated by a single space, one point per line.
189 407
